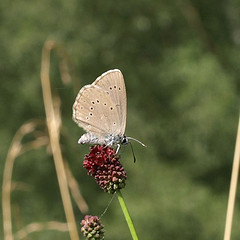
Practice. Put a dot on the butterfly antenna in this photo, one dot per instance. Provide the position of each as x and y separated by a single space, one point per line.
134 158
105 210
137 141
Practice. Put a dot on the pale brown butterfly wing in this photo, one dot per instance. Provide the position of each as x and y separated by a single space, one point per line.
112 82
94 111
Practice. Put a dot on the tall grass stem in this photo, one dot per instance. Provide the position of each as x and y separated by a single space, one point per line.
54 123
233 187
127 215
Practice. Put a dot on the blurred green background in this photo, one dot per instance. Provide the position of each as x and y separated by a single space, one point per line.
180 60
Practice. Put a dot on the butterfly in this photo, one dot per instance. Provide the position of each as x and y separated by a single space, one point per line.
101 110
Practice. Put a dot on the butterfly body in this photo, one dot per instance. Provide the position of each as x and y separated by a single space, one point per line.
108 140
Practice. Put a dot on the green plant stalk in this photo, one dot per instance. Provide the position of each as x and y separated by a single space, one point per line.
126 215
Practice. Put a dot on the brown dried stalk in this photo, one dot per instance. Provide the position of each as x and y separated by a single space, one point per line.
75 191
36 227
233 187
15 150
53 123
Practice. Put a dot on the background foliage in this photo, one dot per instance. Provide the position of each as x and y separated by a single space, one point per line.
180 60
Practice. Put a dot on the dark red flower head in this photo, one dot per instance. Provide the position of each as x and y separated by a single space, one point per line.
97 157
103 164
92 228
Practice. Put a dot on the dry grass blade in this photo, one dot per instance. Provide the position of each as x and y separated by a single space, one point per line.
73 185
14 151
233 187
36 227
53 121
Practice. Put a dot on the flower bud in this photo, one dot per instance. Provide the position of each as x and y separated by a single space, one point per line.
91 228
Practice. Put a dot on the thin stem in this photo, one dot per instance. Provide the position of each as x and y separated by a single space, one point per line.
233 187
53 123
15 150
126 215
38 226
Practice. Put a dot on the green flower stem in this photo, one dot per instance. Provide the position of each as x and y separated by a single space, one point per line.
126 215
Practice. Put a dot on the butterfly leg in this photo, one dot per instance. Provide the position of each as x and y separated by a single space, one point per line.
118 147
